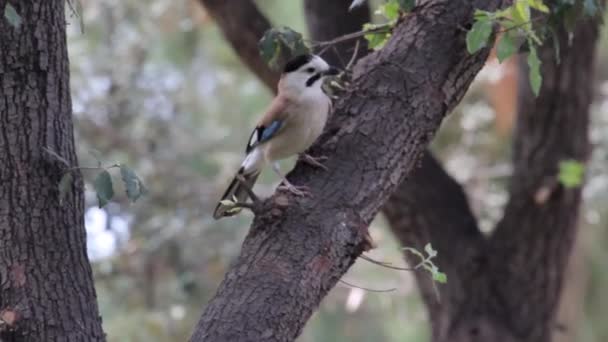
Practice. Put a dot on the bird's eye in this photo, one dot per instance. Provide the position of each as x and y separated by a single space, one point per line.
310 70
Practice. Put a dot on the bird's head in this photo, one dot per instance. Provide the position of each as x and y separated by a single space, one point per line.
305 74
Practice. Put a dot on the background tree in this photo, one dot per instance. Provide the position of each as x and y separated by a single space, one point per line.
46 284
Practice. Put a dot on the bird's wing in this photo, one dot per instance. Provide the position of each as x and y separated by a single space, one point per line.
270 124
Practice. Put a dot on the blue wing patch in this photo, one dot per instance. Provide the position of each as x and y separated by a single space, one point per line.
262 134
270 131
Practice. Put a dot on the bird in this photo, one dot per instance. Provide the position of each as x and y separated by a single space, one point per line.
294 119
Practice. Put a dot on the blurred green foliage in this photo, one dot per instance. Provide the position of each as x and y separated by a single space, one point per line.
156 87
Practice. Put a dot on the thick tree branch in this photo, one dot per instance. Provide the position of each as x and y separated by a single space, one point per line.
430 205
243 25
297 250
533 241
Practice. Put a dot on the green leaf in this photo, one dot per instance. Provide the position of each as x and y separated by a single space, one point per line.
64 185
133 185
103 187
389 10
430 251
480 15
478 36
536 78
440 277
520 13
280 44
538 5
11 15
375 40
407 5
269 48
571 173
506 47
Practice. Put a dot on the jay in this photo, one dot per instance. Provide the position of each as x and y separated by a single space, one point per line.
294 120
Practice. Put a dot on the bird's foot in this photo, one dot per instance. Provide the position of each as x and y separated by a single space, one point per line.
302 191
315 161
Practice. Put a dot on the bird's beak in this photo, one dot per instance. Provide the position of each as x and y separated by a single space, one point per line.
332 71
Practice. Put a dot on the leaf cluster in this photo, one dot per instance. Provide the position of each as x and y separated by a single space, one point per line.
517 29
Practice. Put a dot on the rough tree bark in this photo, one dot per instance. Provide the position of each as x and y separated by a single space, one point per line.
506 287
298 248
46 283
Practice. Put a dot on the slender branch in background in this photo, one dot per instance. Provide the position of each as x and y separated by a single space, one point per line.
385 264
366 288
350 36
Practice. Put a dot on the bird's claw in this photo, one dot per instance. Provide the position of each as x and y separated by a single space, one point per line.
315 161
302 191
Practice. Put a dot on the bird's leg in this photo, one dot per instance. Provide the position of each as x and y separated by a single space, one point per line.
296 190
314 161
249 190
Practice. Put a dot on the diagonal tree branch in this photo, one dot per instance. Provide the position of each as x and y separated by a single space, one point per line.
430 205
297 249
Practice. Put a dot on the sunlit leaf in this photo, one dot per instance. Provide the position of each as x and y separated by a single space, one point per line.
430 251
11 15
375 40
536 78
520 13
478 36
538 5
103 187
440 277
389 10
571 173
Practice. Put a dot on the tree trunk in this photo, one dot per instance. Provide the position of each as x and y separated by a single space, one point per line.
506 287
298 248
46 283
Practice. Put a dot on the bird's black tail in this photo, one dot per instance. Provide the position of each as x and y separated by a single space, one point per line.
236 193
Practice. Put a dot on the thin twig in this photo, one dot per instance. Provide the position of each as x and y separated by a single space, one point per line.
520 25
381 28
354 56
365 288
385 264
92 167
